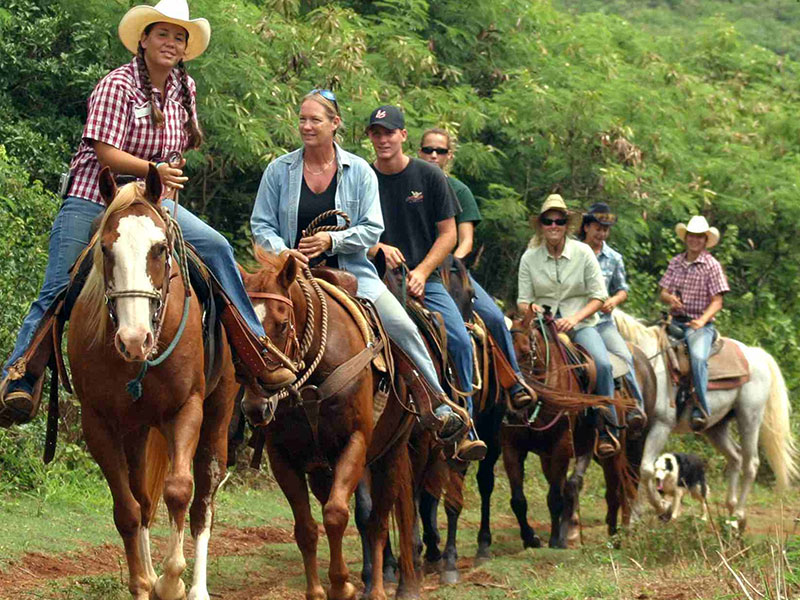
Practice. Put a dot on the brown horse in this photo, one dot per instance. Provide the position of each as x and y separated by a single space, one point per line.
557 435
144 427
326 442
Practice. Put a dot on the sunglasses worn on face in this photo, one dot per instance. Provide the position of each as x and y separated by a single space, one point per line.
548 221
431 150
327 94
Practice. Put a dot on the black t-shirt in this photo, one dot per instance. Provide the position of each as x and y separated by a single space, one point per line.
413 201
310 206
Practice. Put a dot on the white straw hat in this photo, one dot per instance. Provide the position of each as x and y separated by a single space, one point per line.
698 224
167 11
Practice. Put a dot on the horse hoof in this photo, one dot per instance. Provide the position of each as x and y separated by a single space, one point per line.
449 577
198 595
534 542
665 517
432 566
348 592
482 557
407 594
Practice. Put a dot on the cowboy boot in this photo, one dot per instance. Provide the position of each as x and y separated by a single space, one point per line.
523 397
454 434
607 441
18 403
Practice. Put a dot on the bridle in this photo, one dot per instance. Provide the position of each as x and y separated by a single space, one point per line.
289 356
157 297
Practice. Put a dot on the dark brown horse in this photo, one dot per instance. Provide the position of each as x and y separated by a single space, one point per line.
557 436
326 443
145 426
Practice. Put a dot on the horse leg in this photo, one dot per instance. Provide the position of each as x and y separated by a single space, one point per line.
572 491
555 470
182 435
136 455
514 462
363 508
720 438
748 435
653 445
293 485
453 503
335 513
210 471
613 494
428 508
104 446
485 479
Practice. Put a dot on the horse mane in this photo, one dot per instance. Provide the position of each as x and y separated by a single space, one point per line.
268 259
631 328
94 290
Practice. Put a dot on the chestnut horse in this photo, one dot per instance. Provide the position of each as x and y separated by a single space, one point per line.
327 442
145 426
557 435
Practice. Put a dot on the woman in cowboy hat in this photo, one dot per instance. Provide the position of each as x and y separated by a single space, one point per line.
594 231
562 273
693 287
138 115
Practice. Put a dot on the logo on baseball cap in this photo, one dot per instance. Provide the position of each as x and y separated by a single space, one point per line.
387 116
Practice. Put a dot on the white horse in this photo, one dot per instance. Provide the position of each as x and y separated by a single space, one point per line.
760 406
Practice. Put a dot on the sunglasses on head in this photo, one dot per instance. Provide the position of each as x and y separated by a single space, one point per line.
549 221
327 94
432 149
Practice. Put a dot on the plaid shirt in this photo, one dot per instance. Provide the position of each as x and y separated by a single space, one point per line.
613 268
697 282
119 115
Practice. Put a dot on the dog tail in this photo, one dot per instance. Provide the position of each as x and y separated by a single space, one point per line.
776 433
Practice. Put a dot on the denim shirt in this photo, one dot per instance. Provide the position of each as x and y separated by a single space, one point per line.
613 268
274 218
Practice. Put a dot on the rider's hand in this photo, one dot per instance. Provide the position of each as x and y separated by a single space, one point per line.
299 256
416 283
696 323
536 309
314 245
608 305
566 324
172 174
394 258
675 302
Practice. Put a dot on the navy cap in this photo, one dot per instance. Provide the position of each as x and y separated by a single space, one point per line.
387 116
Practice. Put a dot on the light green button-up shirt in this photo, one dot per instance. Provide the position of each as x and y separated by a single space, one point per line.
565 284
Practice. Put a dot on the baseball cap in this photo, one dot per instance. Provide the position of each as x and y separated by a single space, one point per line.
387 116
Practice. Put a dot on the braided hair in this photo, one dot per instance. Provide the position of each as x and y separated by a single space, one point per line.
144 75
191 126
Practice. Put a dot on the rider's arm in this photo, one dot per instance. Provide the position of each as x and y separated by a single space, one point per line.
526 293
671 299
446 238
264 222
713 308
366 226
466 235
122 163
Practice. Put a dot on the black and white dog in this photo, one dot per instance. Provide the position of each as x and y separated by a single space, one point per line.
678 473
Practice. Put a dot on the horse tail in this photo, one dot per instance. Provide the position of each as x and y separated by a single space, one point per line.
157 465
776 432
405 516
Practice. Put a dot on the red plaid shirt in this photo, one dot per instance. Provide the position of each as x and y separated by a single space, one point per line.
119 115
696 282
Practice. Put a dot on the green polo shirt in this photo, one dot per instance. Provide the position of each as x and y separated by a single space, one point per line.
469 207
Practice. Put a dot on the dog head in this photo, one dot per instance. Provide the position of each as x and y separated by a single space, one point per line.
666 473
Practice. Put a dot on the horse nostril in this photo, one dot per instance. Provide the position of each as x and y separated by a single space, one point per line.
148 341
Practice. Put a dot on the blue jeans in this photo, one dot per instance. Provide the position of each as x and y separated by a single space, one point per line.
485 306
699 341
617 346
590 339
459 344
70 235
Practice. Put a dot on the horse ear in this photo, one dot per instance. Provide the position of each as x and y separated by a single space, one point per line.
108 187
380 263
152 184
528 318
288 272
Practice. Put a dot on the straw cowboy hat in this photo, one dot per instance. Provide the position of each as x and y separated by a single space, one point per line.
698 224
556 202
167 11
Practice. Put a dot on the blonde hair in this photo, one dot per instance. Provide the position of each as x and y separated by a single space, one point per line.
573 225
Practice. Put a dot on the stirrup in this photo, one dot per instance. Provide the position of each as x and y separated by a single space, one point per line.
607 437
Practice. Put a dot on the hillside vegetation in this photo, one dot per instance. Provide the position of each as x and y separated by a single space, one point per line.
660 108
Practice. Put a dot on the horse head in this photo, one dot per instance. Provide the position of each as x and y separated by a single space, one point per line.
271 290
455 277
132 259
